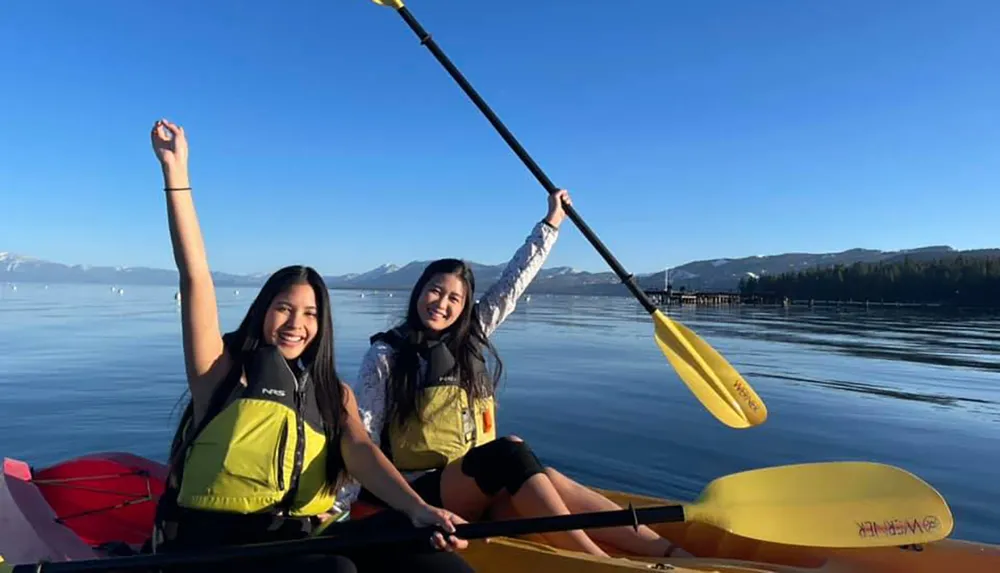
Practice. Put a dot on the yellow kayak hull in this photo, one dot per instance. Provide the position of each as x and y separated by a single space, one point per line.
721 552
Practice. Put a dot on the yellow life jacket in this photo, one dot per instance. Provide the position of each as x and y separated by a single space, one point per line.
264 451
445 426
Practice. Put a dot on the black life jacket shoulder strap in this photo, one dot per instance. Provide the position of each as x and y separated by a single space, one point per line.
393 337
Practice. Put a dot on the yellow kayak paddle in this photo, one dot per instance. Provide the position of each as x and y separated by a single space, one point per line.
828 504
710 377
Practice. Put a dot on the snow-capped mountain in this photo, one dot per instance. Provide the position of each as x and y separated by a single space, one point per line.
19 268
717 274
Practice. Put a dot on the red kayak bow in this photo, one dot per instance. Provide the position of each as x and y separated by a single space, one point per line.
76 508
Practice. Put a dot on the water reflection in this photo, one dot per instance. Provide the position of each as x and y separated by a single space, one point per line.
862 388
937 338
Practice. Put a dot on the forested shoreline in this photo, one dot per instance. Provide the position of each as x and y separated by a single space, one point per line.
959 281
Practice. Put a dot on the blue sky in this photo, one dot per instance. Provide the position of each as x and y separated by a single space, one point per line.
323 133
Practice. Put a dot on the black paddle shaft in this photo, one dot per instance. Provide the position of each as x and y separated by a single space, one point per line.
596 520
627 278
334 544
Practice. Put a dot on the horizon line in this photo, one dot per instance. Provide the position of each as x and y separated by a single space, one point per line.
606 270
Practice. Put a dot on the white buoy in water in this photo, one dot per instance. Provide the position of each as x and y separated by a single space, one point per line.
236 292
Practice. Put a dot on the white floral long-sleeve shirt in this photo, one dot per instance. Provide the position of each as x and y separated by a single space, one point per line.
496 304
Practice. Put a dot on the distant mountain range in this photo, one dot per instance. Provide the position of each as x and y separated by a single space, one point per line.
718 274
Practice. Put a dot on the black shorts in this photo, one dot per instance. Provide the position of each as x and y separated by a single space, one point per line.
427 486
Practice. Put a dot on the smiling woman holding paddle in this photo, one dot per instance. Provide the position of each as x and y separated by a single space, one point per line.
427 398
270 430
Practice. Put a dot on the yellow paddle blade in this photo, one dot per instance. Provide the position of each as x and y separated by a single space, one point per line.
718 385
394 4
830 504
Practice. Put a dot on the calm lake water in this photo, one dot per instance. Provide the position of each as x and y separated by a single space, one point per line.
85 369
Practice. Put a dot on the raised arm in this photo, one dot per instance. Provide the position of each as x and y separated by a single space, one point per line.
204 359
500 299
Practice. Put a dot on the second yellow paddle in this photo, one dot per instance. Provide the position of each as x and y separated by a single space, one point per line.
829 504
718 385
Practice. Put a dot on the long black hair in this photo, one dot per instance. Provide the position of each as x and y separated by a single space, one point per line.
318 359
465 339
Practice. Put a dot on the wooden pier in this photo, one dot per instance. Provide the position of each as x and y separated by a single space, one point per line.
682 297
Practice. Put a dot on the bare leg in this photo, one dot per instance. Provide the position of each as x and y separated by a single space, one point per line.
537 497
580 499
